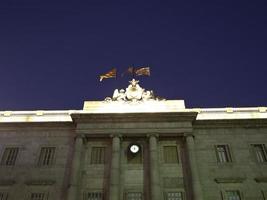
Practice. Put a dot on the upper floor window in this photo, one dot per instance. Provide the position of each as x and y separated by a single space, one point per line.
260 152
223 153
3 196
47 155
10 156
134 196
135 154
38 196
98 155
174 196
93 196
264 195
170 154
232 195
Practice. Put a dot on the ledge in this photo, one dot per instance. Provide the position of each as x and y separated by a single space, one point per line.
40 182
7 182
261 179
230 180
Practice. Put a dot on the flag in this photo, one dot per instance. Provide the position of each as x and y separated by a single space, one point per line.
111 74
143 71
130 70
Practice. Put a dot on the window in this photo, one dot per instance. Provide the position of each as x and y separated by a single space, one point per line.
93 196
3 196
134 196
46 157
232 195
260 152
263 195
98 155
135 157
170 154
174 196
10 156
37 196
223 153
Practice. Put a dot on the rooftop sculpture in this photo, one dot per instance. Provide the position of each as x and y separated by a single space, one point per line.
133 93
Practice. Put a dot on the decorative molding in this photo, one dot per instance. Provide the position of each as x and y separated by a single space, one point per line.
173 182
230 180
116 135
133 93
40 182
152 135
230 123
7 182
134 117
261 179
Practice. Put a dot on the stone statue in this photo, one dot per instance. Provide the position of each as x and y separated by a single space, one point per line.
133 93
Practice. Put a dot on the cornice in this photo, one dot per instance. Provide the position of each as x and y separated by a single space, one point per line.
52 125
230 123
133 117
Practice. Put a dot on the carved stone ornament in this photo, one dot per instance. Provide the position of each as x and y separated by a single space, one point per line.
133 93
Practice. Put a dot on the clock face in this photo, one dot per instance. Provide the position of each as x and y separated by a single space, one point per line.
134 148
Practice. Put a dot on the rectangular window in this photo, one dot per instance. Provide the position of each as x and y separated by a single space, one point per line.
3 196
10 156
98 155
170 154
93 196
260 152
37 196
263 195
174 196
232 195
223 153
47 155
135 157
134 196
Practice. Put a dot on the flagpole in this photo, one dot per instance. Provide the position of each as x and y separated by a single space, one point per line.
133 72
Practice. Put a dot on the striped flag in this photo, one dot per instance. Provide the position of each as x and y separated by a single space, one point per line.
143 71
111 74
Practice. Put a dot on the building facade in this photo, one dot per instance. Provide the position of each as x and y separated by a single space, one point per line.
134 146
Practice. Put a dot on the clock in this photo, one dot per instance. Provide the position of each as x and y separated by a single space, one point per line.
134 148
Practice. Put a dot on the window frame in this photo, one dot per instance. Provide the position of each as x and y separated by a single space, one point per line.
53 162
3 154
177 154
224 193
104 156
141 152
86 193
166 191
133 191
228 154
37 191
5 195
264 194
264 151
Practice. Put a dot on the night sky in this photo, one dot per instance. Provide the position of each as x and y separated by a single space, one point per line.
209 53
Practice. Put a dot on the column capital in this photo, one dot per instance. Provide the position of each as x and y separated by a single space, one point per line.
188 135
152 135
116 135
80 136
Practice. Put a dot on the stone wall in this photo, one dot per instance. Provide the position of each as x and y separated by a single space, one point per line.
26 176
241 174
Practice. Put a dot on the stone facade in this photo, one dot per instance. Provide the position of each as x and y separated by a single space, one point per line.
189 154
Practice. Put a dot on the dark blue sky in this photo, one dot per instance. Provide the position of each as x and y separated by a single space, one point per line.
209 53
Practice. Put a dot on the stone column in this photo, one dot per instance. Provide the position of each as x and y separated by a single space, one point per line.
154 169
197 192
75 169
114 191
